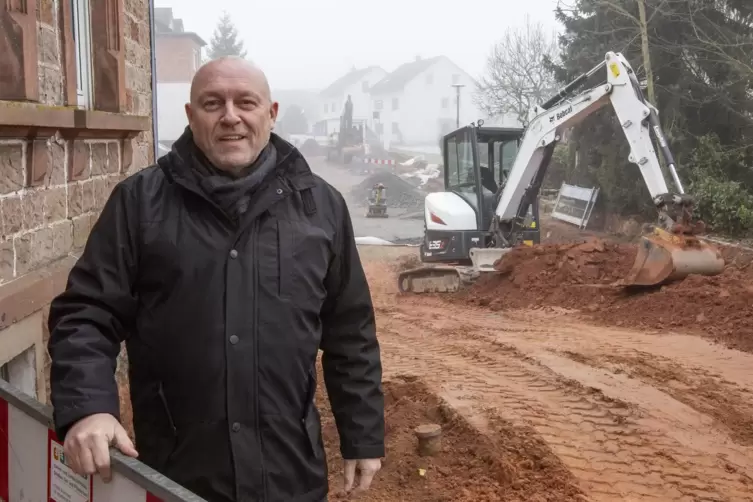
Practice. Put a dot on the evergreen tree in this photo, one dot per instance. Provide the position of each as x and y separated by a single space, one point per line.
702 75
225 40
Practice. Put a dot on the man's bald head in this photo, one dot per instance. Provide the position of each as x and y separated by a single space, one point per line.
234 66
231 112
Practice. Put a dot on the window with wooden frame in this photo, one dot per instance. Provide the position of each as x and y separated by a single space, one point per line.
94 54
82 39
19 68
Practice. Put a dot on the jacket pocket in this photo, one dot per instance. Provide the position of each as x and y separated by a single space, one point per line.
156 436
312 421
171 423
284 257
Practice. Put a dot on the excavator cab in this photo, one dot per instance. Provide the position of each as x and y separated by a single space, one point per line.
477 163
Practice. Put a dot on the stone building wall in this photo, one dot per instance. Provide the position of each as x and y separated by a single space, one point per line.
59 161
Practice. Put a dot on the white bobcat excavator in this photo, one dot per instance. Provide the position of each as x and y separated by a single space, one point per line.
492 179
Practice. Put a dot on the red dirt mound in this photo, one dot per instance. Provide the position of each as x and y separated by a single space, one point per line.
511 464
581 276
552 274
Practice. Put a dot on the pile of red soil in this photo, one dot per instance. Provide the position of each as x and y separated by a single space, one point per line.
567 275
583 276
511 464
719 307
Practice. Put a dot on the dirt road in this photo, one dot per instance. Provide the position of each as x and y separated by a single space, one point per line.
632 416
396 228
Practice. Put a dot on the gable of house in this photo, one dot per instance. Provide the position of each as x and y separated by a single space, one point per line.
404 73
417 102
461 71
342 84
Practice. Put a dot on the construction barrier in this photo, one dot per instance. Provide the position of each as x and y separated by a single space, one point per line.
574 204
381 162
33 467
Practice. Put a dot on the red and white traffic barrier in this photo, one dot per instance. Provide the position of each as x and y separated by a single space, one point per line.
30 453
381 162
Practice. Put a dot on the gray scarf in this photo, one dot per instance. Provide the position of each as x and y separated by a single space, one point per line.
233 191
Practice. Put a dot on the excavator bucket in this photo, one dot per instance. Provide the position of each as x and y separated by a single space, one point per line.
483 259
664 257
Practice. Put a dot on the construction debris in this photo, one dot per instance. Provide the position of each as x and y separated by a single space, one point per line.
400 193
424 175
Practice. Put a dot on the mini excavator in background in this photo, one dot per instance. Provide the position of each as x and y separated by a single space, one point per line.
492 178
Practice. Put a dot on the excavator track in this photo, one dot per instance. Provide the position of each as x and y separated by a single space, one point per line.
436 279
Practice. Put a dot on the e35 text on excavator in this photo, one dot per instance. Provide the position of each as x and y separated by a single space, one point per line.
492 178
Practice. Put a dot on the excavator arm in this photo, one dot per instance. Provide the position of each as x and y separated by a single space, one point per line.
549 122
672 251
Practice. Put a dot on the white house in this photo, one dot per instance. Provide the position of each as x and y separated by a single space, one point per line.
356 84
417 103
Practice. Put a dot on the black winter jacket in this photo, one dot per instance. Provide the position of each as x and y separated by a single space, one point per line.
222 323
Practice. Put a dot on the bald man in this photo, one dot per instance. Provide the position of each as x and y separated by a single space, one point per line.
224 268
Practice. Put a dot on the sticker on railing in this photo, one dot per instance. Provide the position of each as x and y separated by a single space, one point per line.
33 464
64 484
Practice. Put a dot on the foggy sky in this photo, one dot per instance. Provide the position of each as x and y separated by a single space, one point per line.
306 44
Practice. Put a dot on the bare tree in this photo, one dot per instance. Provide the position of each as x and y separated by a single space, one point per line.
516 78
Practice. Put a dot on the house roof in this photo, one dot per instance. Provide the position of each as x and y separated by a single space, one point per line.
183 34
163 16
341 84
396 80
168 26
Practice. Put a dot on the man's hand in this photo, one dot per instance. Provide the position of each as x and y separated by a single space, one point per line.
366 468
87 444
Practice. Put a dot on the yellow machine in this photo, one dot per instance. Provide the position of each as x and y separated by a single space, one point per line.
377 203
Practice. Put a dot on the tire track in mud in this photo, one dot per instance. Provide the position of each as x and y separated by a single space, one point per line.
703 396
679 364
605 443
730 406
710 383
558 327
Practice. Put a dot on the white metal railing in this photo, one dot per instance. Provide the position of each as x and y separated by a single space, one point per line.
574 204
33 468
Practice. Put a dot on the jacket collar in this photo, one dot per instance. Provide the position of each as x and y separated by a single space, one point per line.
291 165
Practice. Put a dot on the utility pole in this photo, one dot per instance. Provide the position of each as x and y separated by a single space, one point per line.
457 100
